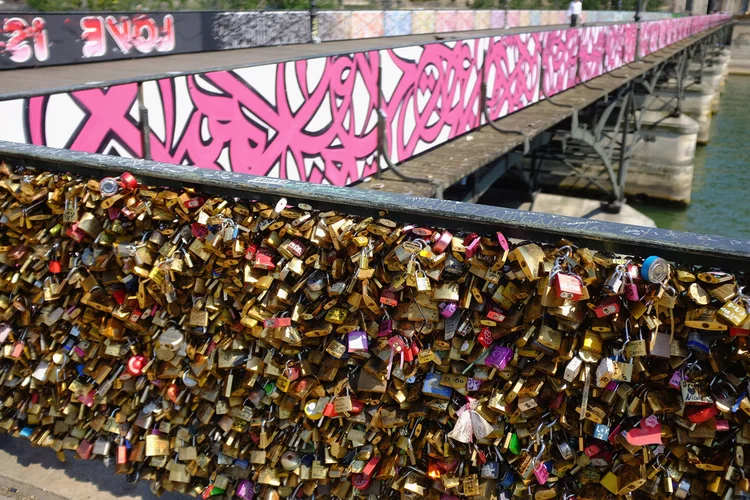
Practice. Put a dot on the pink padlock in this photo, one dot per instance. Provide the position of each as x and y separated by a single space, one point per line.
471 245
541 473
442 242
386 327
631 289
631 292
447 309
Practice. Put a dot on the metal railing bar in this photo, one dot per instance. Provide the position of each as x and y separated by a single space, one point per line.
684 248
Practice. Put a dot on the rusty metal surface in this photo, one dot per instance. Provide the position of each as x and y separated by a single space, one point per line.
451 162
685 248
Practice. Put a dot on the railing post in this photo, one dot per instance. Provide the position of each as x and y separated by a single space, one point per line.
145 128
314 38
638 31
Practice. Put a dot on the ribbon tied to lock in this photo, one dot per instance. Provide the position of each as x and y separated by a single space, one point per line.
470 424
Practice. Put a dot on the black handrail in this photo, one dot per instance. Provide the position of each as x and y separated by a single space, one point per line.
684 248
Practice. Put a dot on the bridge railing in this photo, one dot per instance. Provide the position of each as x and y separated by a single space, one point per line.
681 247
49 38
331 119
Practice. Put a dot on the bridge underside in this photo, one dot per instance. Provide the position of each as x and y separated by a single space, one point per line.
593 123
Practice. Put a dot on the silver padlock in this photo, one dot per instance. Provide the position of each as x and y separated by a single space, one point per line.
683 488
614 283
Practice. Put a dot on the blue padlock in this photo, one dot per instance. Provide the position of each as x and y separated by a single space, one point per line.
655 269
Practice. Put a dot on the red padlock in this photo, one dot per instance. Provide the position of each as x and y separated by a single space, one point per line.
495 314
700 414
135 315
194 203
361 481
608 307
297 247
136 364
388 298
250 252
85 449
54 262
119 296
371 465
88 399
122 454
408 354
109 186
593 449
173 392
75 233
357 406
485 337
264 260
329 410
569 286
279 322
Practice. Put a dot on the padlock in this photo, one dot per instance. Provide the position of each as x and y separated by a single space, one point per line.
568 286
147 335
655 269
607 307
110 186
447 309
613 284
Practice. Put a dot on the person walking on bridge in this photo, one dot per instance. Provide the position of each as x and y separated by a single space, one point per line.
574 12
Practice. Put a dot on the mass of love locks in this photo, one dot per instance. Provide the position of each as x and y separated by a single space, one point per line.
229 347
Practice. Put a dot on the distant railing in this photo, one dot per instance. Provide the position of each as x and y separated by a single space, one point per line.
28 40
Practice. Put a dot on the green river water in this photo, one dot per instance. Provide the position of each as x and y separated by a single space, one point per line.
720 203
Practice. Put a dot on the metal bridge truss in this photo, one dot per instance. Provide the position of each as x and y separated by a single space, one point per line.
608 133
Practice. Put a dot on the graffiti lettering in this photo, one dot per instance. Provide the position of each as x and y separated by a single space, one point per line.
24 40
138 32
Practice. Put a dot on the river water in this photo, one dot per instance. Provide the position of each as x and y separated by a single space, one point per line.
720 202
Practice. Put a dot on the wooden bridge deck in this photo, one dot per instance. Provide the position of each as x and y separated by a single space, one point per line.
449 163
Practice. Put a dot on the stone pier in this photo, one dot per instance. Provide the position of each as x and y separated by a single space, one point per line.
740 62
663 167
697 100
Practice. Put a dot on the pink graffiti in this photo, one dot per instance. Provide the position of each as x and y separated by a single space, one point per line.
140 32
591 53
239 120
25 40
559 57
436 98
512 72
108 118
315 120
